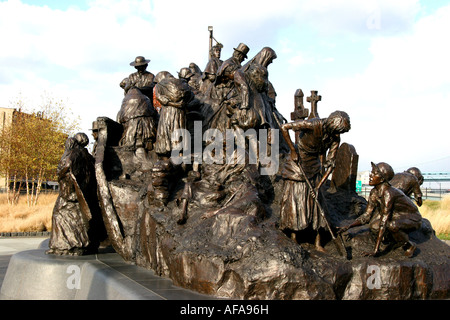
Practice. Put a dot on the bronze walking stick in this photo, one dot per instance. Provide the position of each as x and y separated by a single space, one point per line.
340 245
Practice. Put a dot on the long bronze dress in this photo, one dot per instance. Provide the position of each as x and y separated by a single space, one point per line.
138 118
171 118
298 209
73 231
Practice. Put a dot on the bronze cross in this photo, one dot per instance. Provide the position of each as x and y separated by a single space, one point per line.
313 99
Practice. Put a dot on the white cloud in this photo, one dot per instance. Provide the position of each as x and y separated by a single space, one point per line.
359 17
399 103
84 54
298 60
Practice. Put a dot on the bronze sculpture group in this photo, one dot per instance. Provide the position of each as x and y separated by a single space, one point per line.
136 153
232 84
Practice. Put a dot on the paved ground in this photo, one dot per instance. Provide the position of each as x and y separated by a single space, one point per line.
11 245
159 286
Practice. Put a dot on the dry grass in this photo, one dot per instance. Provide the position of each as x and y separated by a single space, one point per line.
22 218
438 213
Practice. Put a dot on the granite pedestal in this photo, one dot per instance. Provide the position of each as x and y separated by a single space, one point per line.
34 275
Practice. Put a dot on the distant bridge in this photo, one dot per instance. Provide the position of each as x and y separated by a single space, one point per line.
436 176
429 179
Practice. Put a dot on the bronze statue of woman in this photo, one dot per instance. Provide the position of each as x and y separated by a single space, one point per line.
298 210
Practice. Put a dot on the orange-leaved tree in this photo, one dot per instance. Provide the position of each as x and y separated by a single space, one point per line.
32 145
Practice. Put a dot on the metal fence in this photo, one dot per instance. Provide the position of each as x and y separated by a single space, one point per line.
24 191
427 193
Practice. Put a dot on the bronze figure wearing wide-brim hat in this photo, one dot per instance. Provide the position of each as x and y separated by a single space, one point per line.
139 61
94 126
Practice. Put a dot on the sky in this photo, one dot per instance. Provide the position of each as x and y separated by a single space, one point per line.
385 63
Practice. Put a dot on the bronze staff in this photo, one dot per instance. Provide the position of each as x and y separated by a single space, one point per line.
294 156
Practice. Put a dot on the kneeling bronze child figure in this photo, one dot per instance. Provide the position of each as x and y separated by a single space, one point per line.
397 213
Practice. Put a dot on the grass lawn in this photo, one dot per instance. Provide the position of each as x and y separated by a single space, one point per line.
443 236
22 218
438 213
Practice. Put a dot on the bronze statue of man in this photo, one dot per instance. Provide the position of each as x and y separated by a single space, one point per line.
219 94
225 74
397 214
141 79
209 74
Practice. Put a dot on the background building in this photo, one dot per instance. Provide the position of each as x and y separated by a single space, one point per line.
6 116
